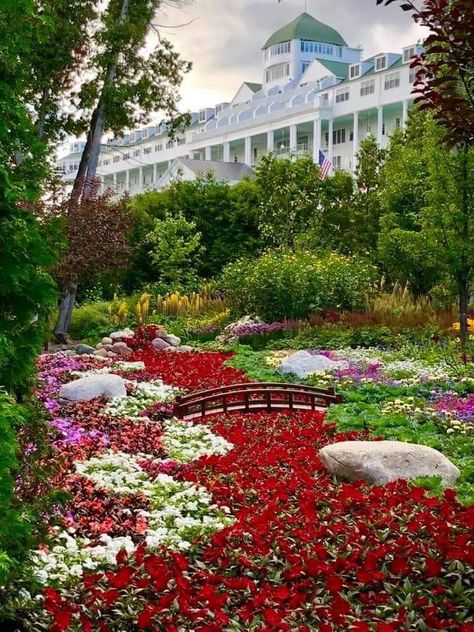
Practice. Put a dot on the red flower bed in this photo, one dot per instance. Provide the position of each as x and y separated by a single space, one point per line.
305 552
193 371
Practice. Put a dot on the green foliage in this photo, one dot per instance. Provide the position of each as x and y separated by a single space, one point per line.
91 322
290 193
224 215
282 284
175 251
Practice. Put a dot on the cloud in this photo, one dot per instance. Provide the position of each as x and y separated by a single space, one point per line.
224 37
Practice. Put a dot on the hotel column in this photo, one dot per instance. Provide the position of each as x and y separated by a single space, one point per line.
114 179
155 172
270 141
380 125
140 178
330 139
208 153
405 113
127 180
226 152
293 139
248 151
355 145
316 139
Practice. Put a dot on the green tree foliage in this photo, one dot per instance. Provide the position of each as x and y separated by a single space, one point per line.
224 215
290 198
26 292
175 249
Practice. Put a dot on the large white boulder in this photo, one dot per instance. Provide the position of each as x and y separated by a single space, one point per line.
379 462
87 388
303 364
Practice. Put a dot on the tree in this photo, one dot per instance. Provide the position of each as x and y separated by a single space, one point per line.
96 230
26 291
128 83
290 193
445 86
175 248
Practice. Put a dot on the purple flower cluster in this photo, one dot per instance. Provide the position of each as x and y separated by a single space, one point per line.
358 373
72 433
461 407
208 329
257 329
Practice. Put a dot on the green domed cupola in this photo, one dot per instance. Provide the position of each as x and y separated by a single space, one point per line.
305 27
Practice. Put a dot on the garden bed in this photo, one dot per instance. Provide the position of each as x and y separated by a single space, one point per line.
231 524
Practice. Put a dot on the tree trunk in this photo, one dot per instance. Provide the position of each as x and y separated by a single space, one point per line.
68 299
464 295
41 122
90 156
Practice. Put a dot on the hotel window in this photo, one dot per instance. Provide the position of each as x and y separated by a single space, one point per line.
277 72
408 53
106 161
159 147
147 150
117 158
136 152
305 65
317 47
412 75
397 123
367 87
169 144
145 133
336 162
339 136
380 63
280 49
355 71
342 95
181 141
126 156
351 135
202 116
392 80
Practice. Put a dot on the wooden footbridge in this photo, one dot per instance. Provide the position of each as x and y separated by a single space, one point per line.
254 397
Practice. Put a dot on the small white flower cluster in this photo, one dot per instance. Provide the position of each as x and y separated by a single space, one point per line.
185 442
145 394
401 406
89 372
179 512
129 367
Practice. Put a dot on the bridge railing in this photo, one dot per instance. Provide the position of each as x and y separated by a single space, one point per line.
253 397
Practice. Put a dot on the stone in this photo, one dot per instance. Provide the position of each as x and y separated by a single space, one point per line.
228 335
302 364
83 349
159 344
379 462
121 348
84 389
111 354
172 340
99 345
107 347
101 353
107 340
123 334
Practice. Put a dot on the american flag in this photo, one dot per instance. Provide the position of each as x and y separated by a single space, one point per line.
325 165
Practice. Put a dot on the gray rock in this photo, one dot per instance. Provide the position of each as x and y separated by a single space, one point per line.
84 389
183 349
303 364
107 340
101 353
84 350
121 348
228 335
379 462
123 334
160 344
172 340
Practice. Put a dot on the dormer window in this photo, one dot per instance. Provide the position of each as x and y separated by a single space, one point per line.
354 71
202 116
381 62
408 53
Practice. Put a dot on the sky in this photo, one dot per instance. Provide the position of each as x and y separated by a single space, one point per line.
223 38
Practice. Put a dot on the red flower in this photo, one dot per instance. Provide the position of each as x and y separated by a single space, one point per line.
432 568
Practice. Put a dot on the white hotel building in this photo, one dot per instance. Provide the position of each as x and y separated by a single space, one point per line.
317 93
